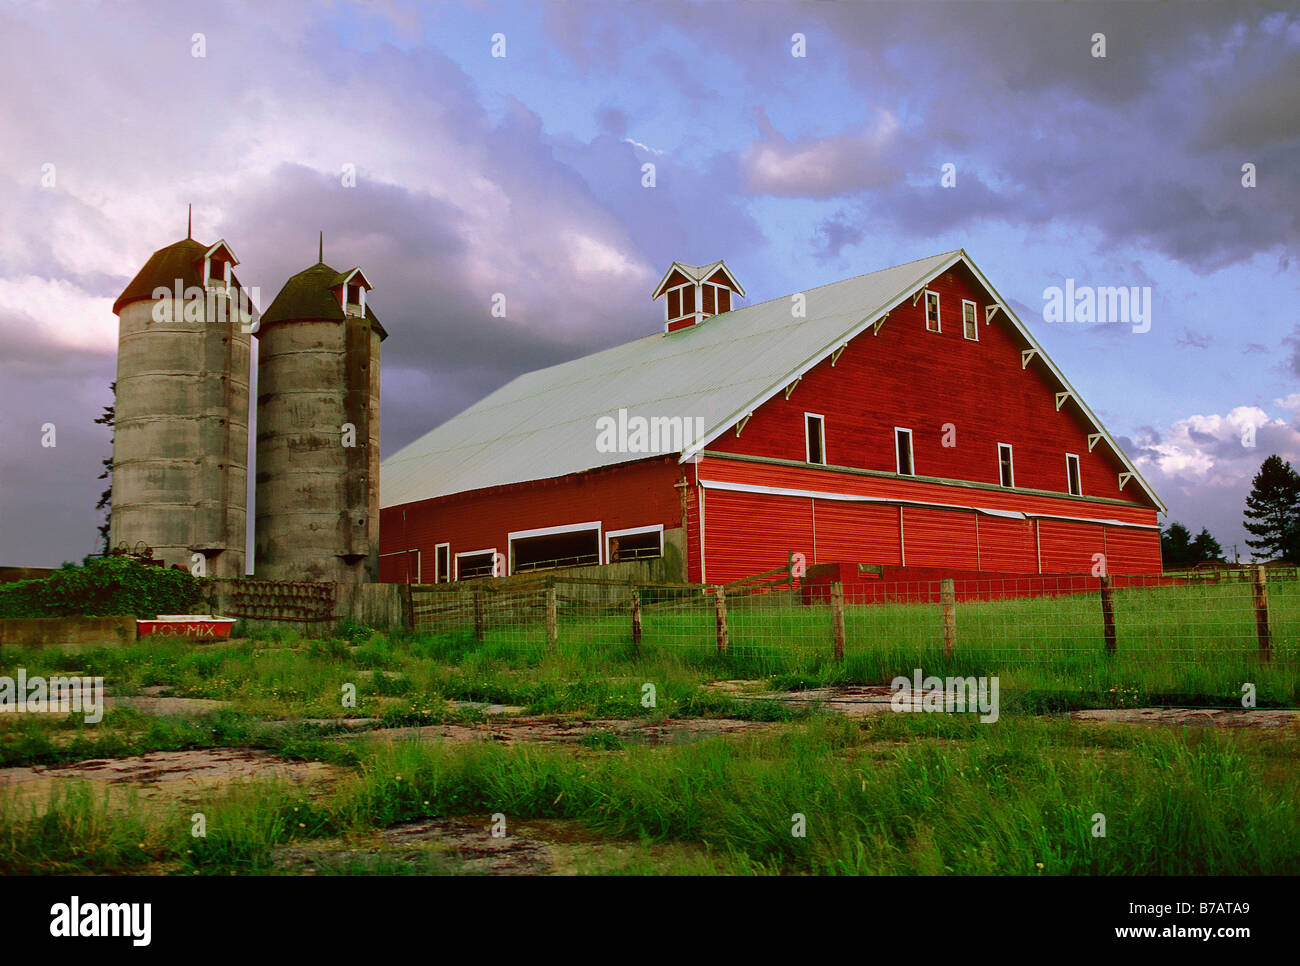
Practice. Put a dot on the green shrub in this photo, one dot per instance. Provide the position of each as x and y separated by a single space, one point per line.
104 587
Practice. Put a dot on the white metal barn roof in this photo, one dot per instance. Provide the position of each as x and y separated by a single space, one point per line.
543 423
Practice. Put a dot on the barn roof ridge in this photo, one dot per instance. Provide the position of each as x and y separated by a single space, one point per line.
542 424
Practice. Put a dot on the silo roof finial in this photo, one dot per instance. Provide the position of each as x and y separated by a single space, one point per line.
189 223
321 258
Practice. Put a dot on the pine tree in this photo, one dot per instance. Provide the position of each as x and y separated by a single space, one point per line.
1175 546
1273 511
1205 547
106 498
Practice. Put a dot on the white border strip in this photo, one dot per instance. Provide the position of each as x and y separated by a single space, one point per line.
892 501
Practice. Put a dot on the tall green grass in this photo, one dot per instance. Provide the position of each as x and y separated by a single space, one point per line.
892 795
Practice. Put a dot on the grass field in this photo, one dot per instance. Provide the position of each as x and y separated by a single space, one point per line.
883 794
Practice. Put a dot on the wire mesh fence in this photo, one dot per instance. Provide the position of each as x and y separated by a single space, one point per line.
1030 620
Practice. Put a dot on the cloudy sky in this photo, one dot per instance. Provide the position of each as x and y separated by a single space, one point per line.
522 175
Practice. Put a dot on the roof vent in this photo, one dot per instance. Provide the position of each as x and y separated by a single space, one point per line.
696 292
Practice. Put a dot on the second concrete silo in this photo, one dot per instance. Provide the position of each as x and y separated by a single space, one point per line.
317 483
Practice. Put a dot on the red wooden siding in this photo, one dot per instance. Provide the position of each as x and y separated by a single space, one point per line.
624 496
939 538
859 532
906 376
1007 545
1067 547
1132 551
747 533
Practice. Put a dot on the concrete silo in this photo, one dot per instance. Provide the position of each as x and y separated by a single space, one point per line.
317 483
180 441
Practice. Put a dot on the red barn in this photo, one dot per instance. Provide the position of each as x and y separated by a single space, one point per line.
905 417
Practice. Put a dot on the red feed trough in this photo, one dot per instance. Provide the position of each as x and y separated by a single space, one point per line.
203 627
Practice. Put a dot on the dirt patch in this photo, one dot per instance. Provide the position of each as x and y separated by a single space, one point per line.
428 846
1193 717
465 846
159 706
571 730
186 776
170 766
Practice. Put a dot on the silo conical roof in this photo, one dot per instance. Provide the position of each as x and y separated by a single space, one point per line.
309 296
182 260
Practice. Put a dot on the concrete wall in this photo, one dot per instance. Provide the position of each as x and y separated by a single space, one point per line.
11 574
313 610
180 439
317 500
66 632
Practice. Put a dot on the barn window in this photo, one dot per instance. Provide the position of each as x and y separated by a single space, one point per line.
903 450
814 434
577 545
710 299
1006 473
969 326
674 303
931 311
475 563
638 543
724 300
442 563
1072 475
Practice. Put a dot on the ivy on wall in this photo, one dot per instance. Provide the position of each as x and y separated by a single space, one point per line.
105 587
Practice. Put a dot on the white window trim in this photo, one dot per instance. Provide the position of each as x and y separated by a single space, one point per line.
911 455
1011 464
475 553
1078 472
550 531
938 316
807 449
631 531
436 548
975 312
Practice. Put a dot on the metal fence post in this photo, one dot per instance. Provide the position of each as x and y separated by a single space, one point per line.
478 617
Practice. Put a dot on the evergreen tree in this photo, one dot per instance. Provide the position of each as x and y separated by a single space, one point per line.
1176 546
1273 511
106 498
1205 547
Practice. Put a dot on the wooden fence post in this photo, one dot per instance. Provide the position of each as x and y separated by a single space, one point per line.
478 617
720 603
1261 614
1108 614
636 616
948 595
837 619
552 617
